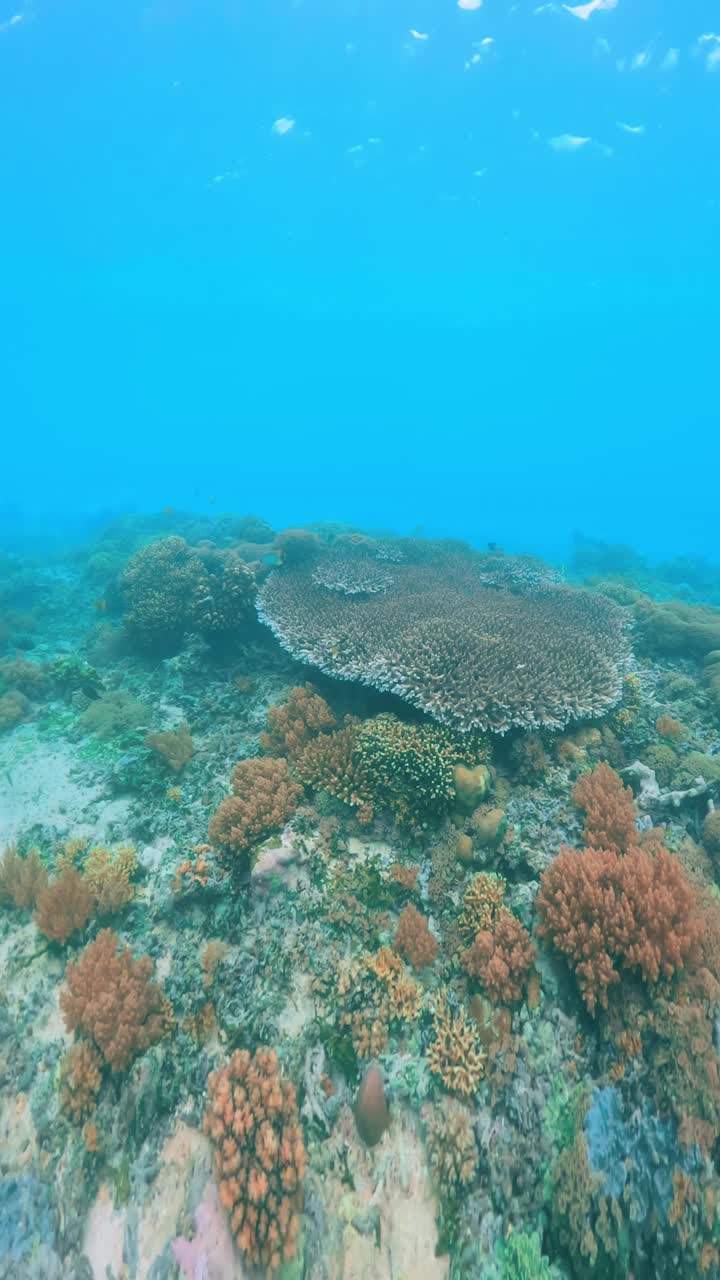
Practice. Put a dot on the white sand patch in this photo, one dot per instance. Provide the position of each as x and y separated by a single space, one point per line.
104 1234
39 784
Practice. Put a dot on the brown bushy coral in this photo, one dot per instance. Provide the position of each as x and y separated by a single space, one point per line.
292 724
22 880
175 746
414 940
501 958
455 1055
252 1121
605 911
610 811
475 645
111 999
80 1080
64 906
264 797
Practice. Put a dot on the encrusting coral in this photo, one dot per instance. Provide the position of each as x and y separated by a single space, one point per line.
111 998
253 1123
264 797
475 645
414 940
291 725
64 906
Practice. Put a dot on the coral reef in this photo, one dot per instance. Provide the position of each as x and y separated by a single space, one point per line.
610 814
475 656
414 940
252 1121
108 876
111 998
264 797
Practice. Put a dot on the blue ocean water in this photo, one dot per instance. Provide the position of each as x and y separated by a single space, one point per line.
411 264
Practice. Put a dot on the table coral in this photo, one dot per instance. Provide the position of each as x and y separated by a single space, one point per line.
264 797
110 998
253 1123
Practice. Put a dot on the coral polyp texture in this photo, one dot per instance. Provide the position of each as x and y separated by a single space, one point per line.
476 648
111 999
264 797
253 1123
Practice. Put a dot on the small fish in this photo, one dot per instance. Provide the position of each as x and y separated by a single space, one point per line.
168 511
100 605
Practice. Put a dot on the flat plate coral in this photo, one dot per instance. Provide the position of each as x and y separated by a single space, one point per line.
480 642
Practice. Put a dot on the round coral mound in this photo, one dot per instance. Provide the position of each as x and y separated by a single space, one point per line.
252 1121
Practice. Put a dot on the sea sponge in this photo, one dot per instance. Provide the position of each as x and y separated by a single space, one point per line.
64 906
478 642
259 1156
414 940
111 998
264 797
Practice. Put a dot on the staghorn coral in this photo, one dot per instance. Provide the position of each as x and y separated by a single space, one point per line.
414 940
80 1080
606 911
108 877
410 768
482 899
64 906
22 880
476 648
291 725
329 763
455 1055
264 797
501 958
175 747
110 998
451 1146
253 1123
610 813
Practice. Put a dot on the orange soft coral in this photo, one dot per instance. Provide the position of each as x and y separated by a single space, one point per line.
264 797
64 906
501 958
252 1121
291 725
110 998
604 911
610 811
414 940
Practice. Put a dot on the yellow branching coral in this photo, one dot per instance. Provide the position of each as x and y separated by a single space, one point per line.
456 1055
108 877
483 898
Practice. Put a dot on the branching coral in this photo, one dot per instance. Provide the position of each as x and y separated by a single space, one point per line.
64 906
610 811
501 958
264 797
175 746
111 999
455 1055
252 1121
481 901
80 1080
22 880
376 993
414 940
605 911
291 725
451 1146
108 876
476 645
